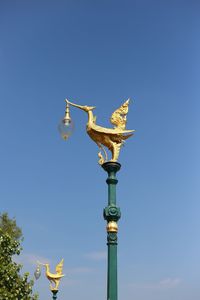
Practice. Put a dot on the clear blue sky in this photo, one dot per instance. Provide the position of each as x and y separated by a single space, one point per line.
100 53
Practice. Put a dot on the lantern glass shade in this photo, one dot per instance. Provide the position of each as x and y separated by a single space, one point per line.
37 273
66 128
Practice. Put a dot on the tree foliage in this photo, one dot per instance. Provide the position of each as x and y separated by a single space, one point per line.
13 285
10 227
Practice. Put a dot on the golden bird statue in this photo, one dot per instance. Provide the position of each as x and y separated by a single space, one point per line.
111 138
54 278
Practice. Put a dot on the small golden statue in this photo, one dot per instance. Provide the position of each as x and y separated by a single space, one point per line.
112 138
54 278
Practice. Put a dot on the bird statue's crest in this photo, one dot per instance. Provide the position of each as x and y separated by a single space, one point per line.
59 267
112 138
118 118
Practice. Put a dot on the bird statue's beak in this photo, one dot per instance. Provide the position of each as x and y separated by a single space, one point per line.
39 263
85 108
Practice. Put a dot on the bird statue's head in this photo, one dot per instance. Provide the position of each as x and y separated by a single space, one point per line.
85 107
39 263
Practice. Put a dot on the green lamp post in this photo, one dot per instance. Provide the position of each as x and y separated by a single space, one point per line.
113 139
54 292
112 215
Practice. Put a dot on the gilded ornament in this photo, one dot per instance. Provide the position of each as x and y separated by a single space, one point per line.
112 226
111 138
54 278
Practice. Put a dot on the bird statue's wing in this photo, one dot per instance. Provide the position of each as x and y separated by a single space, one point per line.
112 131
59 267
118 118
